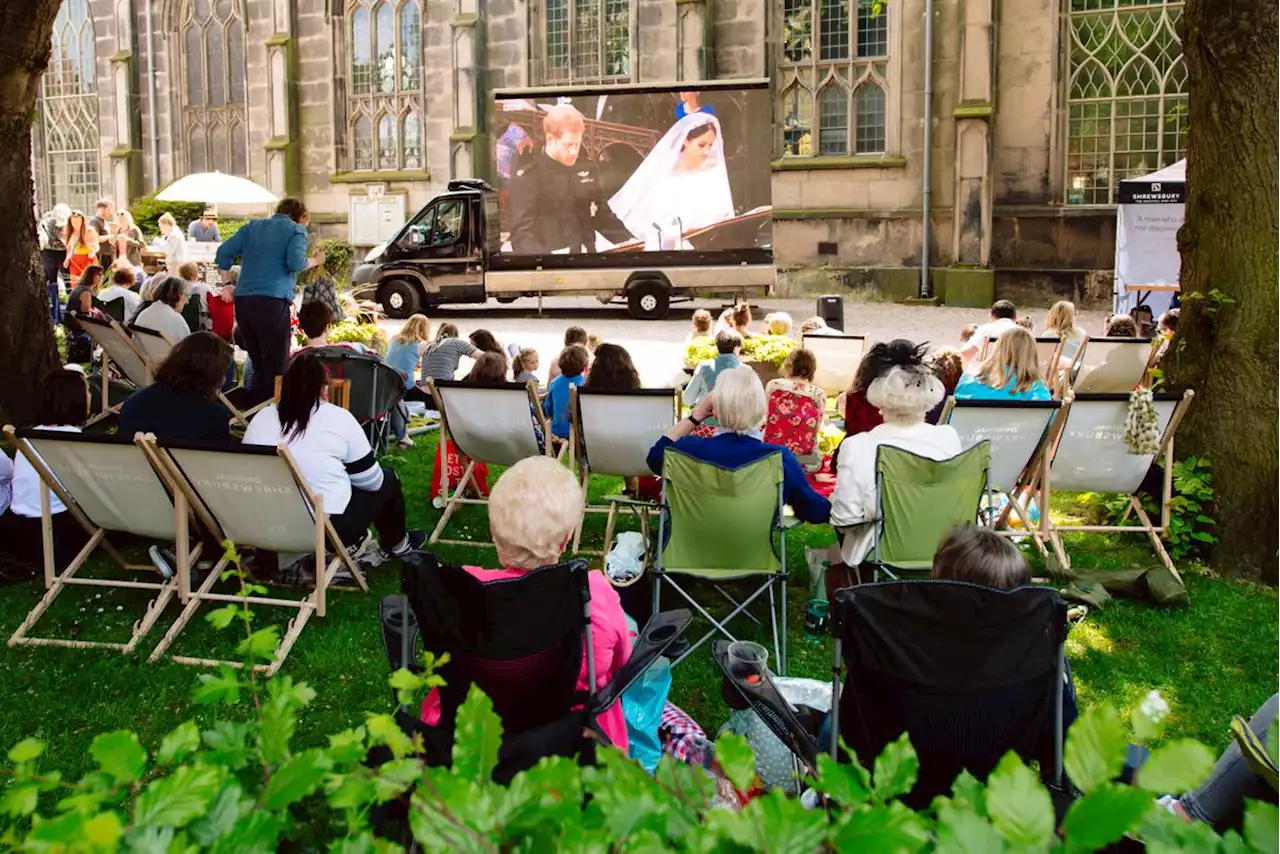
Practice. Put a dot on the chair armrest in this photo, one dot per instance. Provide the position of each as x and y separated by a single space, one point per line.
767 702
626 500
658 634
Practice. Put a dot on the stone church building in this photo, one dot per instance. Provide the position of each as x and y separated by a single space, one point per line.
366 108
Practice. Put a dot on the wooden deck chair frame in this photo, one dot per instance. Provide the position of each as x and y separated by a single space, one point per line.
578 456
456 496
339 392
1036 470
237 417
108 335
1059 381
326 541
818 349
1040 486
55 582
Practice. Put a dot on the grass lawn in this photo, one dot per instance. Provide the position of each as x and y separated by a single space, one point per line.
1214 659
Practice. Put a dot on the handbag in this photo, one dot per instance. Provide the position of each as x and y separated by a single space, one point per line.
456 466
642 706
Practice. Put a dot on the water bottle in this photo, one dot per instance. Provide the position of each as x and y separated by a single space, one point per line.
815 620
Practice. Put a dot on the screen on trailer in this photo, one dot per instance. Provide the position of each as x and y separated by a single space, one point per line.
609 177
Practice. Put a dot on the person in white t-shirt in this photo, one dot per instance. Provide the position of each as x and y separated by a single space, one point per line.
336 460
164 312
1004 316
64 406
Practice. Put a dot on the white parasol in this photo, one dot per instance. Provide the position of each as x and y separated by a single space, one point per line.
215 188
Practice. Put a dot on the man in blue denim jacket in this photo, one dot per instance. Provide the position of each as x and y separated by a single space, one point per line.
272 253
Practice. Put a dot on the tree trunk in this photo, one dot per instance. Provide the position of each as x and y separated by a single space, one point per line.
27 346
1226 347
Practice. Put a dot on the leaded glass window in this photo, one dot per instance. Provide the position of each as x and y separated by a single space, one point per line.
1126 94
385 86
587 41
835 54
67 142
214 121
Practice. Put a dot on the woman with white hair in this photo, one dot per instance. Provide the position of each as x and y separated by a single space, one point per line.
739 404
534 509
904 390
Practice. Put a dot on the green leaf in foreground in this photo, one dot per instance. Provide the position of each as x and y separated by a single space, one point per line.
847 783
891 829
295 779
963 831
1018 804
737 759
479 734
120 755
177 799
1176 767
179 744
1097 745
25 751
896 769
1104 816
1262 826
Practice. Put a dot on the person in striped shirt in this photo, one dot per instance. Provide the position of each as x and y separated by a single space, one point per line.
440 360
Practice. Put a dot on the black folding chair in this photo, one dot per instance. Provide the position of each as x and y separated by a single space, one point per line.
522 641
376 388
969 672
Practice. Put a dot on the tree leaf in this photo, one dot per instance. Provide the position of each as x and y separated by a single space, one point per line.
1018 804
896 769
221 815
962 831
220 687
25 751
1176 767
120 755
1096 748
222 617
295 779
104 831
225 744
969 789
891 829
737 759
1104 816
478 736
347 747
255 832
20 800
848 783
180 743
175 800
1262 826
395 777
260 645
784 826
406 685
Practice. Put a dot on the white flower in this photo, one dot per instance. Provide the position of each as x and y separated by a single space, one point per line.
1154 707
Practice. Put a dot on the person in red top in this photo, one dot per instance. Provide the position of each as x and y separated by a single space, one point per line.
859 415
533 511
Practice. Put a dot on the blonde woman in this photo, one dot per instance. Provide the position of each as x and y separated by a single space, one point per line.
1011 371
172 243
1060 323
406 349
127 238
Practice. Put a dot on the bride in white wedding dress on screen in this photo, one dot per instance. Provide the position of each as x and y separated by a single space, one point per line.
682 185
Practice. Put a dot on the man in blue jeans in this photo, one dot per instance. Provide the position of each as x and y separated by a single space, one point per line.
272 253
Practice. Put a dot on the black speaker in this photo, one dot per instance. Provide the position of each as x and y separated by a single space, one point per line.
831 310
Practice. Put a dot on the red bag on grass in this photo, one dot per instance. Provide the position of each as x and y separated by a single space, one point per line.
457 465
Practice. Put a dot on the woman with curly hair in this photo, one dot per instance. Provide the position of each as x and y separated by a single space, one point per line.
612 370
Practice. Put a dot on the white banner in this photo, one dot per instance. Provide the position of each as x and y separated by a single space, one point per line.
1147 252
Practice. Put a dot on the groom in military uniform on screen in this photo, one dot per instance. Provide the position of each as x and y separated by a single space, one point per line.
557 203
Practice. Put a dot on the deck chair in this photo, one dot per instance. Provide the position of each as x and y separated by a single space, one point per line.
720 525
1092 456
611 434
522 641
376 388
838 359
1020 436
118 350
487 423
970 672
108 486
919 500
1113 365
1055 369
257 498
154 347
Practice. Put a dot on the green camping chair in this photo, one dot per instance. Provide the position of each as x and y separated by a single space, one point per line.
920 500
719 524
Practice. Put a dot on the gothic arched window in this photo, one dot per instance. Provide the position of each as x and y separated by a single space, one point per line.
214 128
68 121
384 86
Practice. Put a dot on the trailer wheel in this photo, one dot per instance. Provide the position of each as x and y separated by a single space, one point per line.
506 300
399 298
648 299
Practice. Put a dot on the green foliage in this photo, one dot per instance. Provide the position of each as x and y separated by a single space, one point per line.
228 227
148 209
243 786
337 258
757 348
349 331
1190 534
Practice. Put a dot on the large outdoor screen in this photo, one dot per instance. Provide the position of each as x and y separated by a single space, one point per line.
609 175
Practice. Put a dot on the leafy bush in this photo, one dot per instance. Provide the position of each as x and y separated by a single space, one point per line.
1191 519
240 784
351 331
337 258
758 348
228 227
148 209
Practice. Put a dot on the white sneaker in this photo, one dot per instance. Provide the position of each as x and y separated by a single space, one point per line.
405 443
